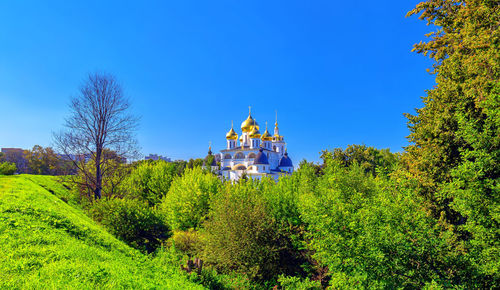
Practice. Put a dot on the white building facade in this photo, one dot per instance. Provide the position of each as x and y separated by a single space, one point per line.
255 155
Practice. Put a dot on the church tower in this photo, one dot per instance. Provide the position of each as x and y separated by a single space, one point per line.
231 138
278 140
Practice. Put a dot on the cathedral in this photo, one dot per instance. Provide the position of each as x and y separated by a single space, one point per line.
257 155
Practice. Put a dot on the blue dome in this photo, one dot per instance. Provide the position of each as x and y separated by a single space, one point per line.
285 161
261 158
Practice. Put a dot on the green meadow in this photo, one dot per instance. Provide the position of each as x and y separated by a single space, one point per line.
49 243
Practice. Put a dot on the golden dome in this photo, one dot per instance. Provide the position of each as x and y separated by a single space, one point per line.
249 123
254 133
231 135
266 136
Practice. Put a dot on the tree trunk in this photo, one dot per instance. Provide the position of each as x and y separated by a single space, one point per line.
98 175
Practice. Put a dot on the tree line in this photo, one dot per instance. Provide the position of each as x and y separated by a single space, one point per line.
362 218
38 160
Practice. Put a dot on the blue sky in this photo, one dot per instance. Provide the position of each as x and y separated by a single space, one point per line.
338 72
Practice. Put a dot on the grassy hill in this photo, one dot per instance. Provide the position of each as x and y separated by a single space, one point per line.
48 243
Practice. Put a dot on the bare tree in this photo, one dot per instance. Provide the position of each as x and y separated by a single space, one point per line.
99 130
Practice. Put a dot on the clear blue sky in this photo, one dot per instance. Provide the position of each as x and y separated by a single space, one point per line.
338 72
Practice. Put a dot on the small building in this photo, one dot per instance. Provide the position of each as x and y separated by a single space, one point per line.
157 157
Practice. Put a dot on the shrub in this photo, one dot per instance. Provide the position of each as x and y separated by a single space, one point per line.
187 242
240 235
213 280
297 283
132 221
7 168
150 181
188 201
372 233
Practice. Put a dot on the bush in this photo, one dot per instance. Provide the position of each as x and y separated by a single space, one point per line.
296 283
213 280
150 181
373 233
132 221
7 168
240 235
188 201
169 258
187 242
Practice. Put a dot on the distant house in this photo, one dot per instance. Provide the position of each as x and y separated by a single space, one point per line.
17 156
78 157
12 151
157 157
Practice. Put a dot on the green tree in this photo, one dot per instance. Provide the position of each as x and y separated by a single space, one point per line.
372 160
150 181
375 233
132 221
241 235
188 201
114 174
45 161
192 163
7 168
455 137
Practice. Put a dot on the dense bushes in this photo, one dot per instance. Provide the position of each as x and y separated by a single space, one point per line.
371 235
333 225
150 181
337 224
187 203
132 221
240 235
7 168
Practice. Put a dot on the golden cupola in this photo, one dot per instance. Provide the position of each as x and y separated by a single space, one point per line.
231 135
266 136
249 123
254 133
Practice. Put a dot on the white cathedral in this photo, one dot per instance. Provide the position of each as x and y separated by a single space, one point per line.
257 155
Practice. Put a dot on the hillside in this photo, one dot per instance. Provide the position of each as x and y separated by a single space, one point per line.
48 243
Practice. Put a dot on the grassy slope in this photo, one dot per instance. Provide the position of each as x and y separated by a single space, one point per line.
46 243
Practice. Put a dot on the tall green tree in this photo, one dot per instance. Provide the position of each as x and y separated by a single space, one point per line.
187 203
151 180
455 137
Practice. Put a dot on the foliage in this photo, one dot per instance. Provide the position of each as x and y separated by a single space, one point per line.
455 136
372 160
113 174
213 280
187 242
193 163
297 283
18 157
150 181
132 221
45 161
188 201
47 243
240 235
375 233
7 168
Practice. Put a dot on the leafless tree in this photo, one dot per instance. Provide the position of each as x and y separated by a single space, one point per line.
99 130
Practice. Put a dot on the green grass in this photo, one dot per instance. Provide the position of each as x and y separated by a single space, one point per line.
48 243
